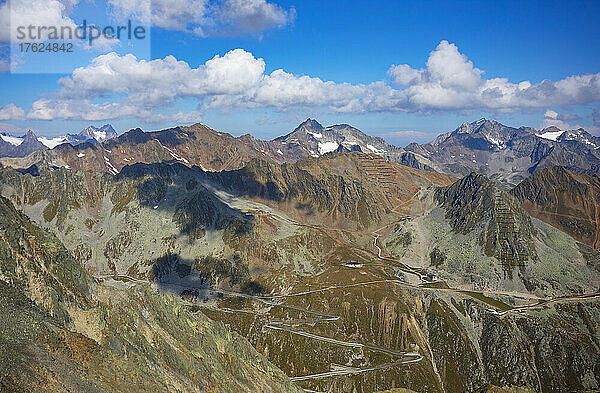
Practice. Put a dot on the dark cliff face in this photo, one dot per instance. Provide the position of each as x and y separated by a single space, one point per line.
564 199
507 231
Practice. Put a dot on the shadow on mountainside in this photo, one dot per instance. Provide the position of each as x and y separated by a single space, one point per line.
194 277
182 192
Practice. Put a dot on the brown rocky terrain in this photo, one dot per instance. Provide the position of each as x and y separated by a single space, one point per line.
345 190
564 199
199 145
191 145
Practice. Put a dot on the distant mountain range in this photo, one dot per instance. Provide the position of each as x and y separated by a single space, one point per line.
313 140
506 154
509 154
21 146
561 197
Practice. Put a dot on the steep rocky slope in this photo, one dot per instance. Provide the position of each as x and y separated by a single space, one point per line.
508 236
337 189
564 199
62 330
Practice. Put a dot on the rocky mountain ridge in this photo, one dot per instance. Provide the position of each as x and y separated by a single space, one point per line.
510 154
506 154
19 147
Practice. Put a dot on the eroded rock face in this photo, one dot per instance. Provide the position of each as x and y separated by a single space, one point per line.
554 353
455 355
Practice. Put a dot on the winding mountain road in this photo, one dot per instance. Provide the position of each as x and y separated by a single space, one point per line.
286 326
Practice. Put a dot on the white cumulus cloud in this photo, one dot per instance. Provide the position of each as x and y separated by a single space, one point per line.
11 112
451 82
561 120
114 86
15 13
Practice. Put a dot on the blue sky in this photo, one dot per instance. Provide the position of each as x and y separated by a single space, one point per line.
353 44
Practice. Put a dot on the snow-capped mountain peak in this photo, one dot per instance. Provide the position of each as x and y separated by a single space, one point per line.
582 136
317 140
99 134
20 146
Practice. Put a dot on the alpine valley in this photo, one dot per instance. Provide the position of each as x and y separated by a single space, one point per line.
325 260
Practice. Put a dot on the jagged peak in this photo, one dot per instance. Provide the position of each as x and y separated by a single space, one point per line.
468 128
196 125
107 127
30 134
134 135
307 125
135 131
310 123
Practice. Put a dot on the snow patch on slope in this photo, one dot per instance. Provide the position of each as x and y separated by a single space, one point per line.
551 135
375 150
51 143
327 147
13 140
315 134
